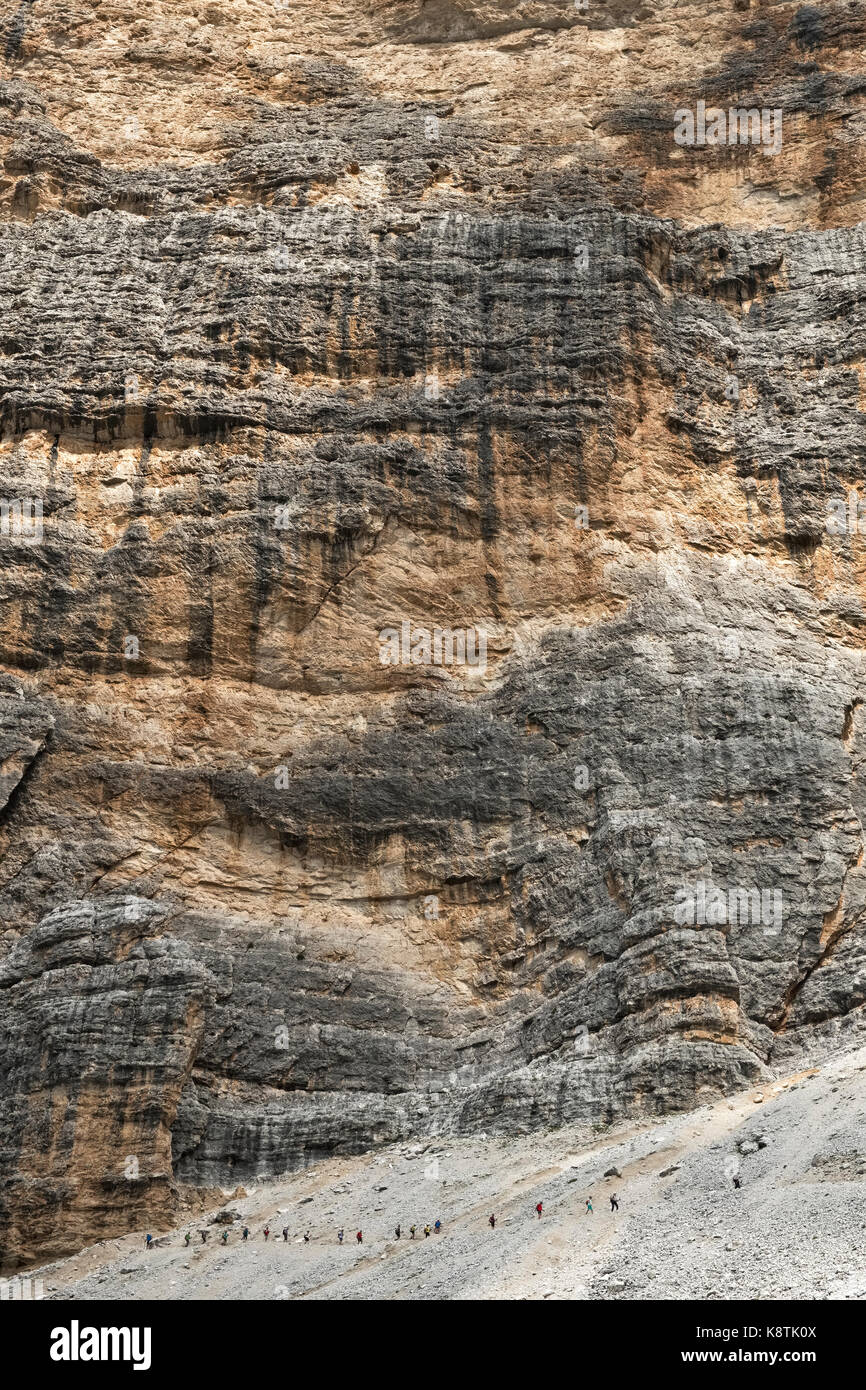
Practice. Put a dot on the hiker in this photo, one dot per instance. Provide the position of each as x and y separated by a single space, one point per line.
340 1236
267 1232
285 1233
411 1232
246 1232
614 1202
225 1237
307 1238
737 1182
397 1230
203 1235
148 1242
360 1237
437 1227
491 1221
426 1230
187 1238
589 1206
538 1209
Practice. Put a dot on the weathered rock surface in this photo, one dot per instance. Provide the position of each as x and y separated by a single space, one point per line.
311 326
792 1229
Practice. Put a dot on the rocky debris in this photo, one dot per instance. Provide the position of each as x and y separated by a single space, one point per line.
848 1166
791 1230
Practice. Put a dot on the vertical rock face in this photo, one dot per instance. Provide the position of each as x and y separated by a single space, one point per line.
105 1018
432 577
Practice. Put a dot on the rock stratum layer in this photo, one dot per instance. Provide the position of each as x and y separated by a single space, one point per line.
319 321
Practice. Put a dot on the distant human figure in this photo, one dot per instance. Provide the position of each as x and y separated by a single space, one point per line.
397 1230
360 1237
225 1237
538 1209
426 1230
412 1232
437 1227
491 1221
306 1237
267 1232
203 1235
589 1206
246 1235
148 1242
187 1238
737 1182
285 1233
614 1202
340 1236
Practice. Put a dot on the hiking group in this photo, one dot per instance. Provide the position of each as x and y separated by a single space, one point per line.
359 1235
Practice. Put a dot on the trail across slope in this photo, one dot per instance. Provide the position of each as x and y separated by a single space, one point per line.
795 1227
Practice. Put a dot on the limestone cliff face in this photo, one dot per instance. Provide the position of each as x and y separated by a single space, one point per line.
316 321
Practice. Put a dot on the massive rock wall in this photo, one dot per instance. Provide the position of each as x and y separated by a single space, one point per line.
319 321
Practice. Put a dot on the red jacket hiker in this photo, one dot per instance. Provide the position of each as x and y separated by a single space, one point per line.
538 1208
